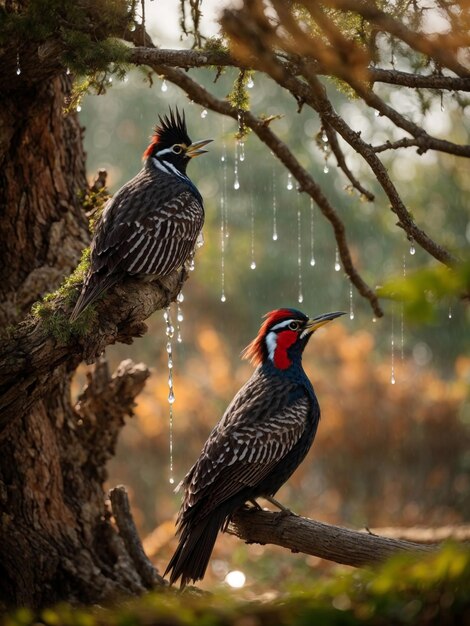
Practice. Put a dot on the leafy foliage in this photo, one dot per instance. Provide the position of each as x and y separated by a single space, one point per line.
424 288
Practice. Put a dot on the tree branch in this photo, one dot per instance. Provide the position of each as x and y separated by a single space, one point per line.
334 543
127 530
40 350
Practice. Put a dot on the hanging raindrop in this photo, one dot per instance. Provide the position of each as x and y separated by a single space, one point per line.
67 71
18 68
223 218
351 303
449 314
326 169
289 185
170 331
402 319
337 263
299 249
179 316
236 181
312 233
79 108
164 85
392 349
242 151
274 207
412 246
324 136
204 113
376 113
252 210
250 84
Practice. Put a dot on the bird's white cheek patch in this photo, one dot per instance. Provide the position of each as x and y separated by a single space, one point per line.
271 343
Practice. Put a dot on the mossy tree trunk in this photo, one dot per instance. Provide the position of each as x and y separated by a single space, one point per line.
57 538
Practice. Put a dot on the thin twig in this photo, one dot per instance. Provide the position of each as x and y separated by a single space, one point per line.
127 530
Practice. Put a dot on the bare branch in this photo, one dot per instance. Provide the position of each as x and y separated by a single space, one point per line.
340 159
439 47
128 531
333 543
418 81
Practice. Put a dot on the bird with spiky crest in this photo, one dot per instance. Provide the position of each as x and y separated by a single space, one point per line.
151 225
261 439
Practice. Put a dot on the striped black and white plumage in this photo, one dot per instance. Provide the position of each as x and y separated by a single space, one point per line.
261 439
151 225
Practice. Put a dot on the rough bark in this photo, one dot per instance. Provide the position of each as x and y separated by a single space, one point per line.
44 227
58 540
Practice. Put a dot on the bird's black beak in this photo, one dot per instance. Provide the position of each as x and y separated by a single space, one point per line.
195 150
320 320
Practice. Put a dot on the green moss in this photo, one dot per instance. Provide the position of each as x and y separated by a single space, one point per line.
240 99
50 308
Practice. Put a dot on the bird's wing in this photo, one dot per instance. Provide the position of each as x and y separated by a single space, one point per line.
244 452
155 240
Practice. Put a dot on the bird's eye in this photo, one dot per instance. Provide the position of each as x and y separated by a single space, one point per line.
294 326
177 149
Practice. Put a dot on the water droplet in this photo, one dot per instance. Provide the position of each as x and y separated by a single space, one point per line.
204 113
250 84
222 158
180 297
324 137
191 264
164 85
223 298
392 348
252 215
274 204
412 249
172 481
376 113
300 297
337 263
169 331
223 218
180 317
449 314
125 79
242 150
18 68
326 169
374 319
312 233
67 71
351 303
236 181
79 108
289 185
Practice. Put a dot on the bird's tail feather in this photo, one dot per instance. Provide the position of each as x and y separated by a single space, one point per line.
94 286
195 548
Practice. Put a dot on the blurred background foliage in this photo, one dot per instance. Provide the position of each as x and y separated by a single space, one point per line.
385 454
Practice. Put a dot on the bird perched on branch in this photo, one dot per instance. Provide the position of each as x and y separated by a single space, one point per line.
261 439
151 225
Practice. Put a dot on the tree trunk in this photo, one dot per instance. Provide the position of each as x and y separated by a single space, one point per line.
57 538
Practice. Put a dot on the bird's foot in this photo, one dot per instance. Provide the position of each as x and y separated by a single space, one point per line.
283 509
